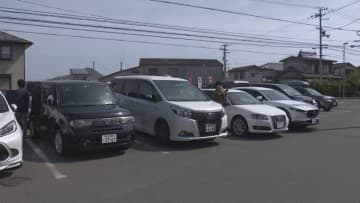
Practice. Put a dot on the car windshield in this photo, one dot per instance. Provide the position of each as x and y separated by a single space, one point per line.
241 98
290 90
3 105
274 95
313 92
174 90
85 95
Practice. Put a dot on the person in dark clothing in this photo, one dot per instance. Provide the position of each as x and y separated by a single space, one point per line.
220 94
23 100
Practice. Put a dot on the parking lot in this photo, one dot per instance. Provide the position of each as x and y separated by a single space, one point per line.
320 164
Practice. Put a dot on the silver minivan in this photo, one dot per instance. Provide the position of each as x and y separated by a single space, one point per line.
170 108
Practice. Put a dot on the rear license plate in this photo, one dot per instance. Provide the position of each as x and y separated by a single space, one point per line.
210 127
105 139
280 124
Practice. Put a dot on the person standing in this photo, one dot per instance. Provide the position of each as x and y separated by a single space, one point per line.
220 94
23 101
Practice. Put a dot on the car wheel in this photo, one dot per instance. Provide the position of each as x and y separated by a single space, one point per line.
327 108
162 132
60 144
239 126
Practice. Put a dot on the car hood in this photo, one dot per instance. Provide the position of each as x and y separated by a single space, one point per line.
261 109
303 98
199 105
5 118
91 112
297 104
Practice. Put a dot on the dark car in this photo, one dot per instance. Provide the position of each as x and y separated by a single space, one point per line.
324 102
288 91
80 115
228 84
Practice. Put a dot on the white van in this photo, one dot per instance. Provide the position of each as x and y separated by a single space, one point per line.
170 108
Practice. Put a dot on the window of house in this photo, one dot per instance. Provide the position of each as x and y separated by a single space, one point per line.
5 52
173 72
242 75
252 75
153 71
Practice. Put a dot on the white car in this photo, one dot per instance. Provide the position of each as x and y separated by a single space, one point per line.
170 108
248 115
11 150
299 113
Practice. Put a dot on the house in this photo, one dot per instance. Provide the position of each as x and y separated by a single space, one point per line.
200 72
129 71
256 74
12 60
80 74
339 69
306 66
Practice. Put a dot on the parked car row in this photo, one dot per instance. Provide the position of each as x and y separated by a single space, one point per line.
85 115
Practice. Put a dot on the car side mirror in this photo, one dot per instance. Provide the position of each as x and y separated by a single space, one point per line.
13 107
156 98
260 98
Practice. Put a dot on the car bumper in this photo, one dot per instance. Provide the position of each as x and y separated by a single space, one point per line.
185 129
308 122
90 139
265 126
13 144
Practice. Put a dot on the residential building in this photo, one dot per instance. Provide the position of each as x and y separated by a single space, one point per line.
339 69
306 66
256 74
80 74
200 72
12 60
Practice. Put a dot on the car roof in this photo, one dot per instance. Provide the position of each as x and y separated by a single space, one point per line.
60 82
149 77
254 88
230 90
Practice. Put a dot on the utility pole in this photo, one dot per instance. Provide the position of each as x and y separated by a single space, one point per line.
225 52
344 76
121 66
322 33
93 65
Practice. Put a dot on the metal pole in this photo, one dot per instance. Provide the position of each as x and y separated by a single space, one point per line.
320 46
344 76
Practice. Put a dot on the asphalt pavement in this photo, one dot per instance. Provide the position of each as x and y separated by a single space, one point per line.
319 164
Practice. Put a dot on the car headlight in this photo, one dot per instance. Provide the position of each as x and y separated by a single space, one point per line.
259 117
223 113
181 112
80 123
126 119
8 128
296 109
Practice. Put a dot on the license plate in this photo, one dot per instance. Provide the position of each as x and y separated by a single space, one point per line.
280 124
314 121
210 127
105 139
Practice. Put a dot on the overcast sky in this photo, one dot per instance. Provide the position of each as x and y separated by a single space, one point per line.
52 56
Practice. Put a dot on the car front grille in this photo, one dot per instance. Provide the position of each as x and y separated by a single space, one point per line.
277 119
204 118
312 113
4 153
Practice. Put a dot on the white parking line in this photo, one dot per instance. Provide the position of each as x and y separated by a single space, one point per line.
150 147
55 172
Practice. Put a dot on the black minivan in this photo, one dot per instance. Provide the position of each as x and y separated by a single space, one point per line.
80 115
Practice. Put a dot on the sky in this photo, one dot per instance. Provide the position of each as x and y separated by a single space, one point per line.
52 56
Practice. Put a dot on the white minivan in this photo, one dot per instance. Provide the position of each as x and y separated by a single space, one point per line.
170 108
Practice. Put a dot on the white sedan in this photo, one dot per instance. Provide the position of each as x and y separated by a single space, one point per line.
11 150
248 115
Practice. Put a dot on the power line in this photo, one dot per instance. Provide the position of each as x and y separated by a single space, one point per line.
343 7
136 24
284 3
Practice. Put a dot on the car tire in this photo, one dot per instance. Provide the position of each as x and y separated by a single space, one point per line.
327 108
162 131
239 126
60 144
